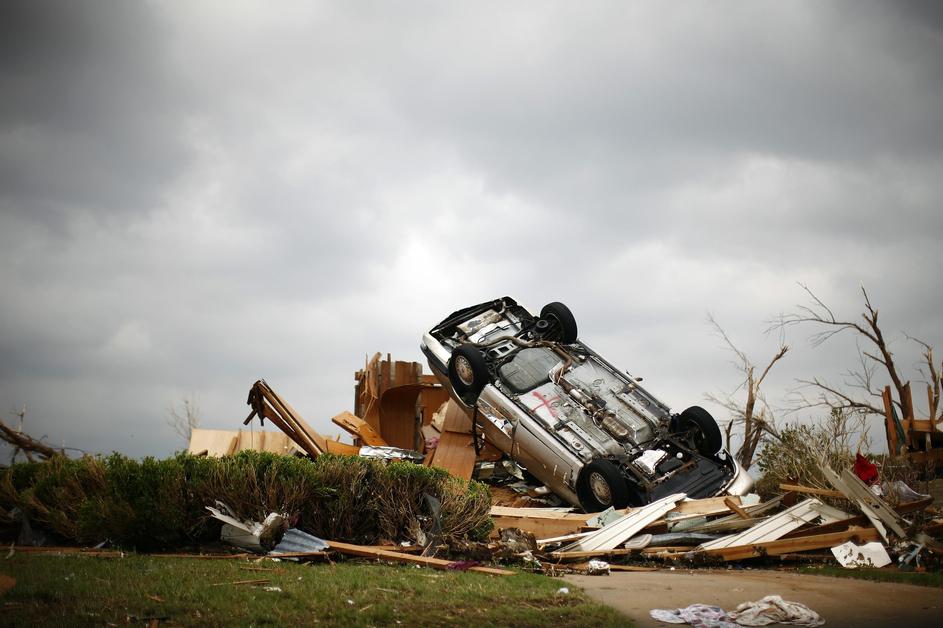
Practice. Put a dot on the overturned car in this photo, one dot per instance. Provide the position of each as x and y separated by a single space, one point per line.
585 429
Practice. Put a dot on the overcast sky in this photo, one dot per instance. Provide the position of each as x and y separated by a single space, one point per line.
195 195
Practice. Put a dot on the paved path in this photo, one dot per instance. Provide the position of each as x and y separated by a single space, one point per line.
840 601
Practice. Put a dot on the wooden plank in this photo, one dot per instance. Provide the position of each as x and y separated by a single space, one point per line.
359 428
736 508
812 490
427 561
455 454
341 449
889 427
798 544
295 417
707 506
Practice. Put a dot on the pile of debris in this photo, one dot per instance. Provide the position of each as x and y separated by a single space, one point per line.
399 414
727 529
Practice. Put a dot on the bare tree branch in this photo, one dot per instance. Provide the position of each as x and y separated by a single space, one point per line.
755 423
185 419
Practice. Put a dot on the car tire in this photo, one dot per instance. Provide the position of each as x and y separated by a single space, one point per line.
566 322
468 372
600 485
707 437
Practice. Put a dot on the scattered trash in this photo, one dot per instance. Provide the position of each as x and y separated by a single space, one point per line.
250 535
773 609
391 453
273 589
597 568
296 541
701 615
563 591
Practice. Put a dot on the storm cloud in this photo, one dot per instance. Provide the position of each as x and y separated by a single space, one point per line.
196 195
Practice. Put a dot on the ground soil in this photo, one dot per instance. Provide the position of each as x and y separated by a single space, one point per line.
840 601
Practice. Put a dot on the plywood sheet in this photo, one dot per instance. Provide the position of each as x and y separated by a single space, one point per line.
455 454
224 442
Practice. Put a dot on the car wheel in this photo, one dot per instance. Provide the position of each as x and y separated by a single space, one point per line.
563 320
468 372
700 426
600 485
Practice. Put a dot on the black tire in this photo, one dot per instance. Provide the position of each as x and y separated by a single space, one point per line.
600 485
704 430
468 372
560 314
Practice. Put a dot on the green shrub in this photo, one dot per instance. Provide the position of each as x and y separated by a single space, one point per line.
796 457
149 504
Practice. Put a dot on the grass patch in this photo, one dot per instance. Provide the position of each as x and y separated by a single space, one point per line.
890 574
56 590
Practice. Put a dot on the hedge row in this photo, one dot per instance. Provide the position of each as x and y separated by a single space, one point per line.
156 504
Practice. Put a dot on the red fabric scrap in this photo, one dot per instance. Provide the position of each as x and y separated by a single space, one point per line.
865 470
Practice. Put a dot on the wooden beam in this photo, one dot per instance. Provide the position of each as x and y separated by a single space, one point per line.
797 544
359 428
812 490
399 557
591 553
737 509
889 424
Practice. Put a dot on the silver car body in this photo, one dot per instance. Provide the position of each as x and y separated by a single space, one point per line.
537 410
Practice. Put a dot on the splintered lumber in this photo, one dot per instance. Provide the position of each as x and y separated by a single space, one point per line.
545 523
267 404
427 561
623 529
359 428
772 528
811 490
797 544
740 512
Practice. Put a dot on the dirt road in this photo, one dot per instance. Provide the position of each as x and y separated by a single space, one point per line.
840 601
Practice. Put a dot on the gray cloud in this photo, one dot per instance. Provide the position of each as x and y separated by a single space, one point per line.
194 196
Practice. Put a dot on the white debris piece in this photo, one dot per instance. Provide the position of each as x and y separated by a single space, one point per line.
852 556
626 527
250 535
597 568
770 529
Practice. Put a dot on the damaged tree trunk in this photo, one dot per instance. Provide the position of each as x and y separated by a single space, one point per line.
25 443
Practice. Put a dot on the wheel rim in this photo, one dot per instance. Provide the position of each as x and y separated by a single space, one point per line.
463 369
600 488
